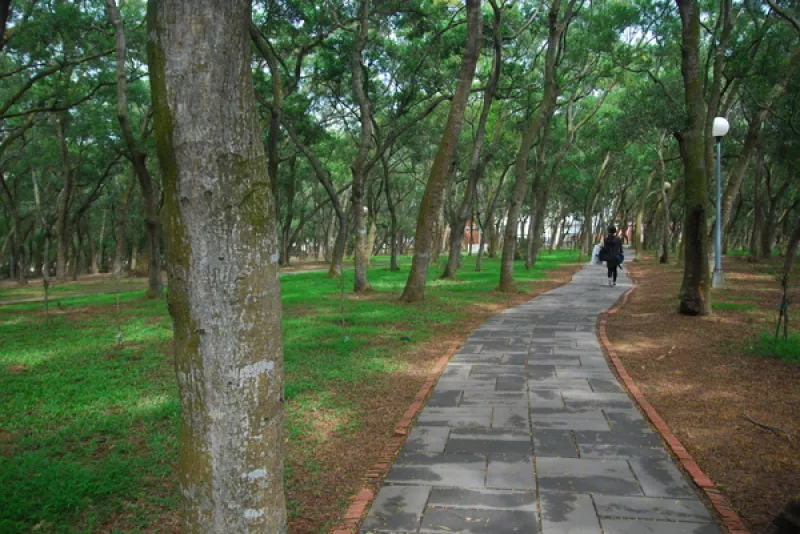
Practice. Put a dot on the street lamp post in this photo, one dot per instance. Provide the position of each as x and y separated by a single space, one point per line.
719 129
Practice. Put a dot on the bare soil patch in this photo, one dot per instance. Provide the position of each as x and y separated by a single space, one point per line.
701 376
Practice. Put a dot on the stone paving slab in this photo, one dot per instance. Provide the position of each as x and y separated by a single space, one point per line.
528 419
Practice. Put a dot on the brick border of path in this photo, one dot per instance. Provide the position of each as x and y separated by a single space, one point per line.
730 519
352 518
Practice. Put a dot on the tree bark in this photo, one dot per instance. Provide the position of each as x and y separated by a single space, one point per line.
432 198
359 164
540 120
137 157
119 230
222 257
695 289
323 175
63 202
392 214
478 161
22 278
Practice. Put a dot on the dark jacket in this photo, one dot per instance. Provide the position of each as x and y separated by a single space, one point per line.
613 246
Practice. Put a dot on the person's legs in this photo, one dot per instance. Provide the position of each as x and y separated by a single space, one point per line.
615 273
612 272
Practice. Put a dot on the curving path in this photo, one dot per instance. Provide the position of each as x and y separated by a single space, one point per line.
529 431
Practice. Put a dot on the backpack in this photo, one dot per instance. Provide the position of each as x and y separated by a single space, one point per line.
620 257
603 253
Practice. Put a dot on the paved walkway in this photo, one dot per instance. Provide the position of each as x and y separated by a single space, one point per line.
529 431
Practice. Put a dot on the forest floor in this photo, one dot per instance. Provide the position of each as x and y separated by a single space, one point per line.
89 410
92 284
714 381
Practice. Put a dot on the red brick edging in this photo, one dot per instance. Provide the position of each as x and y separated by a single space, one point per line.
360 503
730 519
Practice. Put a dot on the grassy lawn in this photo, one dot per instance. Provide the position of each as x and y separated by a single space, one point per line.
88 425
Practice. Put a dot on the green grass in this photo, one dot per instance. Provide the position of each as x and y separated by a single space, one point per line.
785 350
88 429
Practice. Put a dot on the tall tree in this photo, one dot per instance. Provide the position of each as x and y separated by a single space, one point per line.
557 27
222 257
138 159
477 162
695 297
440 170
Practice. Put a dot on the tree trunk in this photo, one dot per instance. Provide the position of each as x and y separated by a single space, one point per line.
324 178
222 247
286 230
393 215
638 230
17 222
63 202
540 120
695 289
477 161
97 258
119 230
432 198
149 193
358 165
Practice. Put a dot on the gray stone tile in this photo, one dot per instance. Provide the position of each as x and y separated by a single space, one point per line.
473 384
469 348
489 441
510 471
610 477
617 438
561 384
633 526
605 385
447 398
660 478
490 371
478 358
597 360
510 418
597 400
483 499
397 508
593 420
457 371
498 398
549 359
630 421
427 439
584 372
460 470
651 508
545 398
620 452
477 521
514 359
568 513
456 417
510 383
554 443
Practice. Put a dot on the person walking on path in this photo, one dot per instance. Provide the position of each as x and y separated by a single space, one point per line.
613 246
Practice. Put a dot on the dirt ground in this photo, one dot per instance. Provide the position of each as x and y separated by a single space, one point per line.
703 378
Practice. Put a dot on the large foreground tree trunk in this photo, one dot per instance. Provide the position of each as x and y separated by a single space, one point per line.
432 198
695 297
222 256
